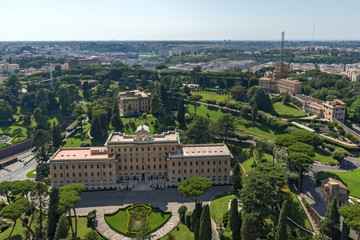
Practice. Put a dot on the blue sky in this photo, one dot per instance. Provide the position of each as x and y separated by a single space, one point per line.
179 19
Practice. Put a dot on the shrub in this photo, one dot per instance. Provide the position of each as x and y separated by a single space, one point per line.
351 138
188 215
72 126
210 101
221 103
91 218
182 211
86 143
225 218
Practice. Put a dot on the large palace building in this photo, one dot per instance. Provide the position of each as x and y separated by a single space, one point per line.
134 101
126 160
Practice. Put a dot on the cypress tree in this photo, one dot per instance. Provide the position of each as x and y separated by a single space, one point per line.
181 112
205 224
236 178
281 232
62 228
53 216
254 112
248 228
331 225
345 232
96 130
116 122
197 229
235 223
56 134
196 215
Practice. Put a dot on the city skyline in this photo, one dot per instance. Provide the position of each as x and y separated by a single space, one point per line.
171 20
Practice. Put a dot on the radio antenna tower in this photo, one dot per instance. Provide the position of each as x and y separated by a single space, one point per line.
282 46
51 76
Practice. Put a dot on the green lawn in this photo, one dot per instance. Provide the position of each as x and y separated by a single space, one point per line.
182 233
350 179
219 206
288 110
324 157
247 161
208 96
82 228
208 112
75 139
118 221
31 174
149 121
297 213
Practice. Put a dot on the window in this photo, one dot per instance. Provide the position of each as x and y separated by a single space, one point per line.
179 164
197 163
131 167
214 163
104 173
109 165
190 170
67 167
197 171
208 162
190 163
125 167
85 166
54 167
160 166
179 171
208 170
184 163
73 174
110 173
60 167
97 166
103 165
185 171
137 167
173 171
67 174
154 166
92 174
86 174
213 169
98 173
119 167
79 174
173 164
73 167
79 166
91 166
54 174
61 175
202 163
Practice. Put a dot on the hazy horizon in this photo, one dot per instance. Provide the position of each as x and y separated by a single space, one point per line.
166 20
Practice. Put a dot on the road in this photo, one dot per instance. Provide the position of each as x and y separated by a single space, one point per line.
17 170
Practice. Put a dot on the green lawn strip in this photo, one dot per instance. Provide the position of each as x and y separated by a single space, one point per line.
118 221
297 213
212 113
181 232
82 228
324 157
247 161
219 206
208 96
257 129
31 174
351 179
19 230
288 110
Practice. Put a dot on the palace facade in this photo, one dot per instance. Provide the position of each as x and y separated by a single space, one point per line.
140 158
134 101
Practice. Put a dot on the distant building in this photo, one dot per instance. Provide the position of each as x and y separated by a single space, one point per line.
329 110
279 82
332 188
9 68
139 102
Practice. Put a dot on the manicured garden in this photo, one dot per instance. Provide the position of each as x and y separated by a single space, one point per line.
119 220
209 96
351 179
297 213
324 157
219 206
78 136
288 110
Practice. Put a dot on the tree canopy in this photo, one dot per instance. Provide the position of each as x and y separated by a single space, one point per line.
194 187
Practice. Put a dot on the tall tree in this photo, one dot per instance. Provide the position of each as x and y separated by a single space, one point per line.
194 187
331 224
238 93
199 131
301 161
163 94
16 210
254 112
345 232
197 229
225 126
351 214
96 129
194 99
69 197
195 217
205 224
5 188
281 232
354 111
235 220
236 178
53 215
6 111
116 122
41 143
56 134
181 112
262 99
39 200
248 227
156 104
64 98
62 228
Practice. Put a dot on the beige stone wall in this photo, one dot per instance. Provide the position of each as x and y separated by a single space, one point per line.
95 175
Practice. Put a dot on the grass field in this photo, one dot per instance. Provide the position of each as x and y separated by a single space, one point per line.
118 221
182 233
82 228
17 133
149 121
31 174
214 114
219 206
350 179
297 213
288 110
209 96
324 157
247 161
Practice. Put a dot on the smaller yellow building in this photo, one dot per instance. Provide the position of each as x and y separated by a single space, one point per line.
332 188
